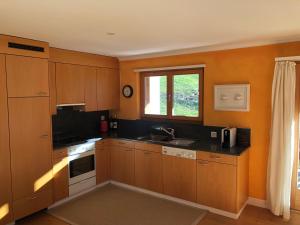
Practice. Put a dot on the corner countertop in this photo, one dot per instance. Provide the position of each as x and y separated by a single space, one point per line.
196 146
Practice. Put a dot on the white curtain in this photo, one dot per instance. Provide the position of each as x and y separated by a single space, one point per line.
281 152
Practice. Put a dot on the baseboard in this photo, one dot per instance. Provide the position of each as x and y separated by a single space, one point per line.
77 195
193 204
257 202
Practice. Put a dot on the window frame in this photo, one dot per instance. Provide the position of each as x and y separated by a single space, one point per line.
170 90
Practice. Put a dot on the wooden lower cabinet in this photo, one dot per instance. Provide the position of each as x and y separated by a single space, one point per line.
31 154
102 163
5 172
26 206
216 185
122 164
60 174
148 170
179 177
221 185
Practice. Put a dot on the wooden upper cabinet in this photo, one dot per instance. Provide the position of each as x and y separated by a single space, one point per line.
90 89
22 46
27 76
108 88
52 88
5 173
148 170
31 154
70 83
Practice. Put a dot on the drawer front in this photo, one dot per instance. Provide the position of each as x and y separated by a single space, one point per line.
34 203
215 157
148 147
60 153
122 143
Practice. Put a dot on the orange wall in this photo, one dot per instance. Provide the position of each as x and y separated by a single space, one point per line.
248 65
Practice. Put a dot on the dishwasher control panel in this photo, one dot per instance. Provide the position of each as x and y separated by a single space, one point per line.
179 152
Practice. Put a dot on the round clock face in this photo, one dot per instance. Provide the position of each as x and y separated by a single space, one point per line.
127 91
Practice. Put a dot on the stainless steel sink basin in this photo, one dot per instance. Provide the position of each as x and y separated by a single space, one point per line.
182 142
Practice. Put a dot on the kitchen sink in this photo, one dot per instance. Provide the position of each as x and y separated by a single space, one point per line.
182 142
176 141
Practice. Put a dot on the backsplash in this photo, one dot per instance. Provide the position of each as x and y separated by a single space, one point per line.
134 128
76 123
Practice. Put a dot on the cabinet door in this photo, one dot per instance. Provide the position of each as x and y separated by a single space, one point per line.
30 139
148 170
179 177
216 185
90 89
27 76
52 88
108 88
102 164
5 173
60 178
70 83
122 164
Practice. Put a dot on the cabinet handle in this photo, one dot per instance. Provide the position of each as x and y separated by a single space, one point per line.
214 157
32 198
203 162
42 93
147 153
44 136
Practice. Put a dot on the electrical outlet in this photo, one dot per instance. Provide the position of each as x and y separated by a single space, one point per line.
213 134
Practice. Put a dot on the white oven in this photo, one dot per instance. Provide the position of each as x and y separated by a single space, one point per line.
82 167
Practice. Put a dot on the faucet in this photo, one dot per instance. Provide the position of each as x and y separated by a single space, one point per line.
169 131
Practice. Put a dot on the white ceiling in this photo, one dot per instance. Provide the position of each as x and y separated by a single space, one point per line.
151 27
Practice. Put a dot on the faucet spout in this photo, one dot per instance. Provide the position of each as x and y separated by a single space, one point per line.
169 131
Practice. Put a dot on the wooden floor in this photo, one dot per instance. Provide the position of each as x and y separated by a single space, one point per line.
250 216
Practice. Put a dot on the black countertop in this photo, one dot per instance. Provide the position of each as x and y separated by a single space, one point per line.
196 146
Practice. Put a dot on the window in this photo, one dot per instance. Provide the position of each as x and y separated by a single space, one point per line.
175 94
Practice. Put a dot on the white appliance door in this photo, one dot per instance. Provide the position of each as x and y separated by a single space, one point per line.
81 167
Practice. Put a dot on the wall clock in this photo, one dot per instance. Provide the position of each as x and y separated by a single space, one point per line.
127 91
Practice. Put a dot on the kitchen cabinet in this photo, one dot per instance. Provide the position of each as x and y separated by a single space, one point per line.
52 88
108 88
102 162
90 89
122 164
70 83
148 170
31 154
179 177
216 185
27 76
5 171
222 181
60 174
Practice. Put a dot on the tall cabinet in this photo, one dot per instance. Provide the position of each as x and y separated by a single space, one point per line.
25 116
5 178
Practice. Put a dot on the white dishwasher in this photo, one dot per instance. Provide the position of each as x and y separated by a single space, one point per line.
179 173
179 152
